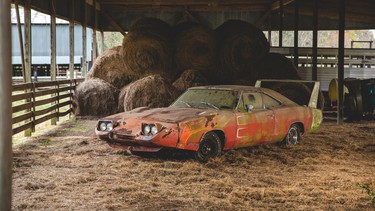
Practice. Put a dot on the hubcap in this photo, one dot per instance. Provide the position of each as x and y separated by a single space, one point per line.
206 148
293 136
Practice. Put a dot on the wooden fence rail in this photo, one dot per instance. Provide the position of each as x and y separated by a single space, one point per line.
35 103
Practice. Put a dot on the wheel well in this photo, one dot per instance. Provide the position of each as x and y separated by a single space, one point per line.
301 126
221 135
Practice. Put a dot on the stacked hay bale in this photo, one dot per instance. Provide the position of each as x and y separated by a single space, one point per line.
147 48
111 68
195 48
95 97
242 46
277 66
152 91
189 78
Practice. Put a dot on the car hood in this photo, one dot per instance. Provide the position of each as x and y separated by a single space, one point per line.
168 114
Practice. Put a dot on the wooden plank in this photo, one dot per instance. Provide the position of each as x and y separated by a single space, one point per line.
45 118
67 88
22 96
71 39
20 38
22 128
22 117
66 103
68 95
64 113
22 87
27 32
45 84
45 92
45 111
53 39
45 101
22 107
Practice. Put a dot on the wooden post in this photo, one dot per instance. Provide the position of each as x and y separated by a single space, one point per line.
28 62
296 27
84 42
270 29
5 107
20 37
94 41
102 40
315 42
53 50
340 73
71 39
281 25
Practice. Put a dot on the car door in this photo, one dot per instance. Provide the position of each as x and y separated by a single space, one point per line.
255 123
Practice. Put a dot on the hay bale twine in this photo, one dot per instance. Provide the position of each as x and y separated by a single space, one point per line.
152 91
242 46
109 66
277 66
147 49
189 78
95 97
195 47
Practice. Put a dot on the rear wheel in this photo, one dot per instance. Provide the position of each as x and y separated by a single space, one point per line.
209 147
293 136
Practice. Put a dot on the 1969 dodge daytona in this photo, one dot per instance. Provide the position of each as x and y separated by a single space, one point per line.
209 119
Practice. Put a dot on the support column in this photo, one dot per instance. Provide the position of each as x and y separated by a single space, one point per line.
94 41
340 74
5 107
281 25
20 37
27 30
270 29
102 40
53 50
71 39
84 42
28 62
315 42
296 27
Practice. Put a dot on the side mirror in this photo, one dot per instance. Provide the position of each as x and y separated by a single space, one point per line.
249 107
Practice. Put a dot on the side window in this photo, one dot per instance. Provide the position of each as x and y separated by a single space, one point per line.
251 98
269 102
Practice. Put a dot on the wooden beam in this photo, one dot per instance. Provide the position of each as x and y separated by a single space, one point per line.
27 31
53 49
113 23
210 3
277 4
94 41
84 42
340 73
71 39
281 22
296 27
20 37
315 42
5 107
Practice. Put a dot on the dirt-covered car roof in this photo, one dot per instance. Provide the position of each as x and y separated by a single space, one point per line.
284 100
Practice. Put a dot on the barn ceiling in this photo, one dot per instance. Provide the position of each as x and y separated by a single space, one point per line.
115 14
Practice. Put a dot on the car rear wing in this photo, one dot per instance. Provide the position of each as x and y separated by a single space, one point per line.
313 86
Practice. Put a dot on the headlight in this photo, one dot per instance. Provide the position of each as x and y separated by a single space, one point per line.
154 130
146 129
110 126
103 126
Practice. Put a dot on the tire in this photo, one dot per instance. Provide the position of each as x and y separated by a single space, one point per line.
293 136
209 147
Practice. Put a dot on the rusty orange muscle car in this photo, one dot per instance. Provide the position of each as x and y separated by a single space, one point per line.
209 119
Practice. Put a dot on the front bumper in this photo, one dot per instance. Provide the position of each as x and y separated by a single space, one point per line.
138 143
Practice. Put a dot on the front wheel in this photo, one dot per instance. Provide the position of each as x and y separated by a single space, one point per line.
209 147
293 136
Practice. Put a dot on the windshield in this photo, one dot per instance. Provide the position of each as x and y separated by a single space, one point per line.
207 98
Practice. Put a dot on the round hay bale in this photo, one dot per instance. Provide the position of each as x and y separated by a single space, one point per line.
109 66
95 97
145 54
242 46
297 92
195 47
153 27
152 91
189 78
277 66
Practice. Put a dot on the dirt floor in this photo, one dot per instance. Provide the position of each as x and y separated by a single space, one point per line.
70 169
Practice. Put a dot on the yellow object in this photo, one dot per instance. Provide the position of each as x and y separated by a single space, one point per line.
334 89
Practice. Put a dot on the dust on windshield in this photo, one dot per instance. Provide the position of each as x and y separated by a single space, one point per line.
207 98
